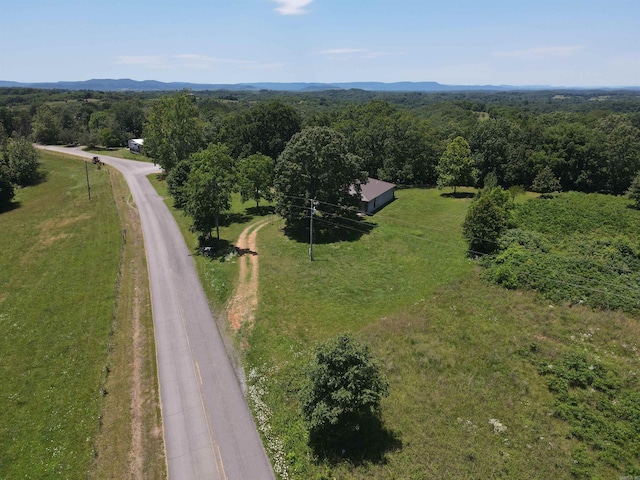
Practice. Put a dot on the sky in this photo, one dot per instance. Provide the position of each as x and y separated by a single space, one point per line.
456 42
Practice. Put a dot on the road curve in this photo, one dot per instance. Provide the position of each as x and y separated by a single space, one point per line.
209 432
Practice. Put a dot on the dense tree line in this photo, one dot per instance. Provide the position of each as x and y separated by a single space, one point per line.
588 140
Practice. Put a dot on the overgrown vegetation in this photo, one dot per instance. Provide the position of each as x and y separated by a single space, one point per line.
574 248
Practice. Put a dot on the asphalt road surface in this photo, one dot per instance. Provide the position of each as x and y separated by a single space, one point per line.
209 432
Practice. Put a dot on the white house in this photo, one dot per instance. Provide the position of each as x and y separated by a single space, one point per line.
375 195
135 145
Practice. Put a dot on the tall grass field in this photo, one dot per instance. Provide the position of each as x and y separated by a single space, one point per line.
59 265
485 382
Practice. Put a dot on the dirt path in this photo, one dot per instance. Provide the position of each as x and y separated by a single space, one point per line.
242 304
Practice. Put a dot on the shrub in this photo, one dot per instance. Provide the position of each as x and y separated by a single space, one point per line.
487 218
23 161
343 391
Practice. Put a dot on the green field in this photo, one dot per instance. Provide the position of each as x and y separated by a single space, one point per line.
473 389
60 256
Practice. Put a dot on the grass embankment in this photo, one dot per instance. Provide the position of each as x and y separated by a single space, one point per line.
122 152
60 255
66 352
130 442
469 396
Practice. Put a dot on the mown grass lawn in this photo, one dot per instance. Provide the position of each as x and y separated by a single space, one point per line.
59 257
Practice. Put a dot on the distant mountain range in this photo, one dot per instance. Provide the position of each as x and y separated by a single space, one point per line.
155 86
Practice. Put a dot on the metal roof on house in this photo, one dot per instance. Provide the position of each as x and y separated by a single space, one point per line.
374 188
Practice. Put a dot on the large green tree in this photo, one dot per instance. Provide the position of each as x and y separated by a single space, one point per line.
173 130
46 126
317 165
255 178
487 218
23 162
176 181
266 128
207 191
456 167
344 388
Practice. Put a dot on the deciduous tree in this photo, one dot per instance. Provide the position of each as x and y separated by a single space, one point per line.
46 126
23 162
173 130
207 192
316 165
487 219
255 178
344 388
456 167
546 182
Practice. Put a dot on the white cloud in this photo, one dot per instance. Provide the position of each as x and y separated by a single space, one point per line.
342 51
292 7
186 61
349 53
147 61
190 61
542 52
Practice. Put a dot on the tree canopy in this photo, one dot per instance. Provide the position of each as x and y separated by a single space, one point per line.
255 178
23 162
173 130
207 191
265 128
487 218
316 164
344 387
456 167
546 182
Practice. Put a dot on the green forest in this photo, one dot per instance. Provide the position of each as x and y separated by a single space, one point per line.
590 140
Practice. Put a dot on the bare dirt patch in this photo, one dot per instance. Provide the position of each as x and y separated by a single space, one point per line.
242 304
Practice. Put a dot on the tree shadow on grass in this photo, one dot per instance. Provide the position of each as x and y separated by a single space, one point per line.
231 218
10 206
458 195
261 211
214 249
329 231
368 443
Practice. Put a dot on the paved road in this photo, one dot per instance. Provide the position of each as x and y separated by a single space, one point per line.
209 432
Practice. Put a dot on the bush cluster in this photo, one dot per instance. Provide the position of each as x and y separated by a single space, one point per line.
552 253
603 409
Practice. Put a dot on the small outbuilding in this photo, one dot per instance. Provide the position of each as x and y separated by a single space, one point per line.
135 145
375 195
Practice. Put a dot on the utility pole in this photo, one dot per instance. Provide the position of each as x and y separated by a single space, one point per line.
86 171
314 204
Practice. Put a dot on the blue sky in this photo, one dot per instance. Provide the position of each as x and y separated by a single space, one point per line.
463 42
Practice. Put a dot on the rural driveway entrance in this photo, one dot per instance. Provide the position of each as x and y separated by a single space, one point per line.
208 430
